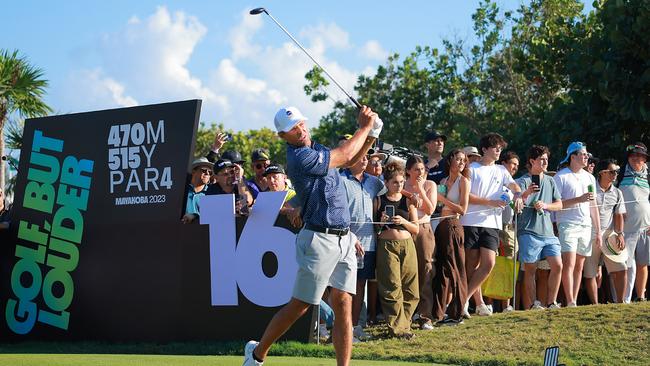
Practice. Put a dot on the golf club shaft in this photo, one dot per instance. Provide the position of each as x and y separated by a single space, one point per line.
356 103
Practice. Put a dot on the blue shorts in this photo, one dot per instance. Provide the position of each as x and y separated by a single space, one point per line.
369 267
533 248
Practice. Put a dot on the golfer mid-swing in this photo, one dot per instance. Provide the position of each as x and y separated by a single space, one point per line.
325 249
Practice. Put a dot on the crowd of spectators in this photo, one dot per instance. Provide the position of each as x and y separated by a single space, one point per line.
429 228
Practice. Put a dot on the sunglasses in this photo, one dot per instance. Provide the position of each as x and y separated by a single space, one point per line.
261 166
375 163
206 171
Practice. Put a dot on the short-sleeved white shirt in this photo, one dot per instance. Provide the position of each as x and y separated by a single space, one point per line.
572 185
486 181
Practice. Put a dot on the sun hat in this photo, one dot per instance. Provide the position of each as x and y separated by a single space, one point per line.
286 118
202 161
471 151
610 248
637 148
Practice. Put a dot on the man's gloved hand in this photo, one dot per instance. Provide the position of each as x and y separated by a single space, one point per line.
376 128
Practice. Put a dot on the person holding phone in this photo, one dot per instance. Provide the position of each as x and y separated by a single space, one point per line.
535 230
397 267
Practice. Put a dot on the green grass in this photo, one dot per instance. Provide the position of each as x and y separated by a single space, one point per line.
160 360
587 335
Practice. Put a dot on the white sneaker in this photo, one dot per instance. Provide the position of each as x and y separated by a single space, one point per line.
359 333
427 325
509 309
483 310
248 354
536 305
465 313
490 308
554 305
572 305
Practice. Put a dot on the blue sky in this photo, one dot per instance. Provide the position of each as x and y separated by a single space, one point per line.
101 54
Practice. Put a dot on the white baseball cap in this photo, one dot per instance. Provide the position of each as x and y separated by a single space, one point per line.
286 118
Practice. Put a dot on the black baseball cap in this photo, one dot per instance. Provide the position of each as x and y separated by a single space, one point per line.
221 164
273 169
434 135
234 157
260 155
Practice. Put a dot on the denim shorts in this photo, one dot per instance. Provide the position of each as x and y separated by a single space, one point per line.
533 248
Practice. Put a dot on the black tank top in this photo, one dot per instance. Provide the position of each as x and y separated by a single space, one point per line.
401 209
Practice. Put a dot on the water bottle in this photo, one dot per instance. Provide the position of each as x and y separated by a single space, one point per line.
506 196
359 261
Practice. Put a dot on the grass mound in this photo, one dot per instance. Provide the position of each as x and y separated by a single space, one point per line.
587 335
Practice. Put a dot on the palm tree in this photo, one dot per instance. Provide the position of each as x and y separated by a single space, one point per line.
21 91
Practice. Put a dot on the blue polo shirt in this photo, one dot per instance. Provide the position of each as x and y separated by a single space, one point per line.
360 195
319 190
193 199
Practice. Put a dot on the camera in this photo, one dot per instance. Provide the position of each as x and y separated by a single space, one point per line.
393 153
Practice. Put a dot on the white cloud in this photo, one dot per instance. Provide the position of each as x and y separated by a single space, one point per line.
99 91
241 35
324 36
374 51
146 61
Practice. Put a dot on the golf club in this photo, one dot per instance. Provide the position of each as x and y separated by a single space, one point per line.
257 11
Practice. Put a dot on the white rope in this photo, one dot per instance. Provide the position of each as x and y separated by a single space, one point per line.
496 209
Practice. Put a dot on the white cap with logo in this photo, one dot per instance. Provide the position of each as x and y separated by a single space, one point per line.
286 118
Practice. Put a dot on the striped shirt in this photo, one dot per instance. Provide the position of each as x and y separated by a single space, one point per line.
634 186
360 195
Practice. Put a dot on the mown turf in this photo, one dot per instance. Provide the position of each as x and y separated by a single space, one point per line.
587 335
159 360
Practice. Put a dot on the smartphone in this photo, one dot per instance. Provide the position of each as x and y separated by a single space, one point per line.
390 211
536 180
229 137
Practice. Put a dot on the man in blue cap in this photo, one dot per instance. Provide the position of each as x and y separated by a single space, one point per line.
325 249
577 188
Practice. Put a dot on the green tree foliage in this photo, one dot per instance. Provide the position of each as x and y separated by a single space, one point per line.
244 142
22 88
546 73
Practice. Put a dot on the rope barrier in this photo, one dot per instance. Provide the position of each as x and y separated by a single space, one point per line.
422 221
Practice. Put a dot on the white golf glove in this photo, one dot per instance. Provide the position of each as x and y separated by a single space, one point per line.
376 128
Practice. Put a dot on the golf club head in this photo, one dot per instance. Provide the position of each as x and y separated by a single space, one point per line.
257 11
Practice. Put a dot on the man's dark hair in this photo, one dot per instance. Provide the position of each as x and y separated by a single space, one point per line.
492 139
535 152
507 156
602 165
